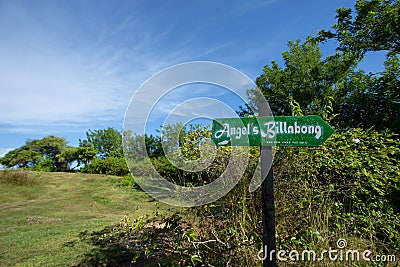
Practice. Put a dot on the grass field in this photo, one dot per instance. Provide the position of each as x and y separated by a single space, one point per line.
42 222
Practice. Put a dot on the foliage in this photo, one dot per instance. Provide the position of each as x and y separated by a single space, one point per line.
81 155
153 145
210 239
133 146
192 152
358 99
38 154
49 154
21 158
333 89
85 153
43 165
307 78
110 166
349 187
129 181
375 27
170 241
68 155
368 100
188 148
102 152
107 142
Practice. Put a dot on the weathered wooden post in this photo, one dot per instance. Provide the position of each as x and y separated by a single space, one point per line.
267 196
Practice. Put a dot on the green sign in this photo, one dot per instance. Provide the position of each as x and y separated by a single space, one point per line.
271 131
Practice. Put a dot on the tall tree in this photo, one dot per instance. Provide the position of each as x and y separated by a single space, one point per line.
307 80
374 27
86 153
108 142
310 84
371 100
67 157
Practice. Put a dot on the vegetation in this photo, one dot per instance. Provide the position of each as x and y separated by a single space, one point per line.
18 178
37 154
312 82
348 188
354 195
107 142
110 165
375 27
100 153
48 221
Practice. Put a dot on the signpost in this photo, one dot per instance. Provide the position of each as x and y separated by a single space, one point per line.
266 132
271 131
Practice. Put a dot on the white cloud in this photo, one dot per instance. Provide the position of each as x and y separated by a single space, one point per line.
4 151
50 78
63 68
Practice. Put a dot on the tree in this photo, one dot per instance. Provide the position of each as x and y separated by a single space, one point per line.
308 80
102 152
332 87
108 142
86 152
375 27
68 156
20 158
371 100
36 153
134 146
153 145
49 147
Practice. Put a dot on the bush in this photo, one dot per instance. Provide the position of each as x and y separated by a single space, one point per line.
348 188
129 181
110 166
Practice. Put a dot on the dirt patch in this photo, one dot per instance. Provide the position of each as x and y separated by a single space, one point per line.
5 205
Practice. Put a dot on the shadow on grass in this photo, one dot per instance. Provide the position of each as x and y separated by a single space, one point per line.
112 246
104 252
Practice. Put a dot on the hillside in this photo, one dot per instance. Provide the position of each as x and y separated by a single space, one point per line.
43 220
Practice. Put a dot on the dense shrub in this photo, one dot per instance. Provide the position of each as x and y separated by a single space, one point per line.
348 188
110 166
129 181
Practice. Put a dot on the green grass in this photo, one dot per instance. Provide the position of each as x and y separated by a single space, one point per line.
41 222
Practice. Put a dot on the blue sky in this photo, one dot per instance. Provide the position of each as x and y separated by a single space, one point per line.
70 66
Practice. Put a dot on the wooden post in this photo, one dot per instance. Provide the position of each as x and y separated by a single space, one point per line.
268 209
267 196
